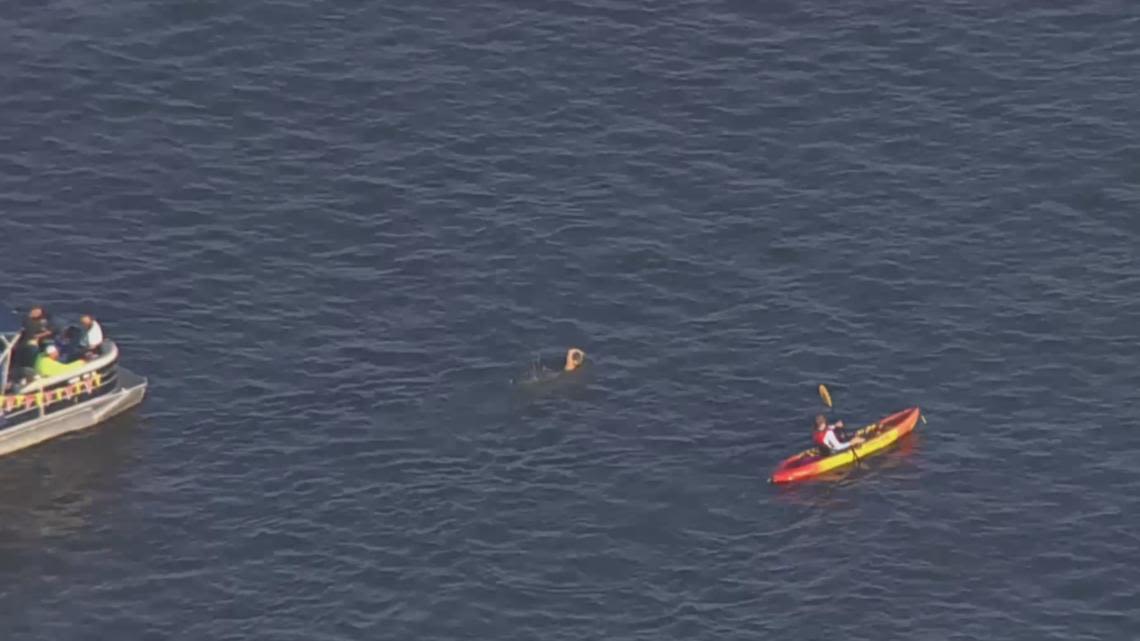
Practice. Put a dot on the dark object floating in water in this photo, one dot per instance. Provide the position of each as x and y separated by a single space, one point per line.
541 372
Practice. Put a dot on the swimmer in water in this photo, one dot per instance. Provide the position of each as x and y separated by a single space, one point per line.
574 359
543 371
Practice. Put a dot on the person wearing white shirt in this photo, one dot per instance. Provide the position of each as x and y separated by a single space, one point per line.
827 440
92 335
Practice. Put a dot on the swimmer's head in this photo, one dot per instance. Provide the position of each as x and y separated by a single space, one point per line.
574 359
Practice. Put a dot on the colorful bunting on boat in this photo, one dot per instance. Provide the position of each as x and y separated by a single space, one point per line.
42 398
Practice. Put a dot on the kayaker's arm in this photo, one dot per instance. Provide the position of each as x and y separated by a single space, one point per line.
833 443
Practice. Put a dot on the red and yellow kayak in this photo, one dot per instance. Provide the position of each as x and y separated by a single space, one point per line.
879 435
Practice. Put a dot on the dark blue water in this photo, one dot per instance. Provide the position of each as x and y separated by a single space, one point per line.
331 233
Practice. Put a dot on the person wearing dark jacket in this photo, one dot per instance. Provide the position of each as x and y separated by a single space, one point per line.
37 325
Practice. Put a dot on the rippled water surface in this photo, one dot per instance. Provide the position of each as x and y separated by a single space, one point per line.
332 233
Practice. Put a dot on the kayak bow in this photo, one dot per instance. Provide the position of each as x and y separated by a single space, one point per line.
878 436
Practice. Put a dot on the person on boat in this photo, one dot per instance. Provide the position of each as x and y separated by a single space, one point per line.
574 359
48 363
92 336
37 326
827 440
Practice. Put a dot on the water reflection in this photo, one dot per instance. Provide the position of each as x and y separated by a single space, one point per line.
53 489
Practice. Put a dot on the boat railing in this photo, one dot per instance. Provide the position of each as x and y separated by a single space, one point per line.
44 397
7 346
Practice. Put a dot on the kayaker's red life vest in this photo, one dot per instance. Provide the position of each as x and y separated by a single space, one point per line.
818 437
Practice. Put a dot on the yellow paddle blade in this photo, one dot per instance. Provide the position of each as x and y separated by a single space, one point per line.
825 395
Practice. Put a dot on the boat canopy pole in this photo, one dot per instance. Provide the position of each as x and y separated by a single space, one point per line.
5 359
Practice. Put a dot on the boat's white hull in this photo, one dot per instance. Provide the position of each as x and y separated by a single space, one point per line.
128 393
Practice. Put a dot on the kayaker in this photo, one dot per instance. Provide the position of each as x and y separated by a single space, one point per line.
574 359
827 440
